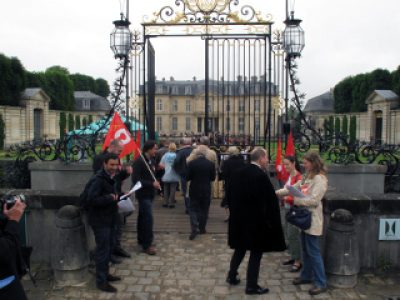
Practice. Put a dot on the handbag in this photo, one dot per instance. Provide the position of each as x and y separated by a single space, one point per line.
126 206
299 217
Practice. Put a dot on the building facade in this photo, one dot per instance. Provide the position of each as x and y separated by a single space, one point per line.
33 120
381 122
235 108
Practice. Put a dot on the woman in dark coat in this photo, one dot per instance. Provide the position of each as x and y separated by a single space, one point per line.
254 222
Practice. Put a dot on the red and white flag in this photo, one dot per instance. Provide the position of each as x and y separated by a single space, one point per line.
119 131
290 150
281 173
138 144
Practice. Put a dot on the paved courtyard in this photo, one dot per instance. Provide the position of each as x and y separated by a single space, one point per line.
184 269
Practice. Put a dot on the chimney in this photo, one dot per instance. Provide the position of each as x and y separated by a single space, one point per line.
171 78
239 78
194 78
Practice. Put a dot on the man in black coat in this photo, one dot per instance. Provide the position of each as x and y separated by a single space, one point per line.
123 173
102 215
145 195
180 166
200 173
11 262
254 222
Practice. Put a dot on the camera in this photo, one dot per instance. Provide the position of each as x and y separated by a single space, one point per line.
9 200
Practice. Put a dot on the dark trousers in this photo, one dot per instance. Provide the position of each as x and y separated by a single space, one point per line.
253 268
198 210
13 291
184 185
118 230
145 223
169 192
105 243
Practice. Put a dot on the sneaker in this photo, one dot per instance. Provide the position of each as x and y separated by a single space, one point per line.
193 235
106 287
317 290
150 251
111 278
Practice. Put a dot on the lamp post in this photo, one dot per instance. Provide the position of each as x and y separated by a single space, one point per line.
293 44
121 44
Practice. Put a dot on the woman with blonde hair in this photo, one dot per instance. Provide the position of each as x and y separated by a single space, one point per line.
170 177
314 186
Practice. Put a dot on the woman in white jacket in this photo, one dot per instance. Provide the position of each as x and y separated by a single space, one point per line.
314 185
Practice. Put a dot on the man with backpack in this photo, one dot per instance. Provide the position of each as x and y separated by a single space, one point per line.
180 167
102 205
123 173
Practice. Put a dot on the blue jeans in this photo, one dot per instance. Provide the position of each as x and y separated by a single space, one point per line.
313 265
184 185
105 243
145 223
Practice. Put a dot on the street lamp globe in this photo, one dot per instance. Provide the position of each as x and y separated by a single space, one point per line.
121 39
293 37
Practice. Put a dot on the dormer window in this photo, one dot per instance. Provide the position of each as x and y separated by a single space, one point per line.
86 104
175 90
188 90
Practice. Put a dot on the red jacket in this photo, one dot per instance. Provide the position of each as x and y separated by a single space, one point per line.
289 199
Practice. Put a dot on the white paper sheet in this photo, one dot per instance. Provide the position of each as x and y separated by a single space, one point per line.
295 192
136 187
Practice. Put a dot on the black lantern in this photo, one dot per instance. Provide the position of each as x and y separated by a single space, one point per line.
121 38
293 37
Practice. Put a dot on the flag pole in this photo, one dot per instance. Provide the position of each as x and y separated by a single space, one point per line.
147 165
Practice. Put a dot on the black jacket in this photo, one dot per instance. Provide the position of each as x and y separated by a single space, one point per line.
180 165
141 173
102 208
228 167
254 221
200 173
11 262
98 163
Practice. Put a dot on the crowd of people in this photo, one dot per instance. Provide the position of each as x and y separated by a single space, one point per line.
252 203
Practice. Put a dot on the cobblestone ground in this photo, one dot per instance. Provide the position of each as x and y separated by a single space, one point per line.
184 269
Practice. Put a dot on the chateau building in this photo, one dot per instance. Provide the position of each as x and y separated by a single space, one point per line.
235 107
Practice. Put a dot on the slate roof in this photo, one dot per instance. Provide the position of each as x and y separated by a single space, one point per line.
30 93
97 103
321 103
387 94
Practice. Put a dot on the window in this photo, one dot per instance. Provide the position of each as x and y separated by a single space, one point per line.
228 124
209 108
188 90
257 124
199 124
175 90
159 123
188 105
159 105
188 124
257 105
241 125
228 106
241 105
159 89
257 89
86 104
175 105
174 123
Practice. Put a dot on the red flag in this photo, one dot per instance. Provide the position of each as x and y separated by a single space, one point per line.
119 131
138 144
290 150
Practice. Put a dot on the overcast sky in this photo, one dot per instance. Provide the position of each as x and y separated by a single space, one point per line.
343 37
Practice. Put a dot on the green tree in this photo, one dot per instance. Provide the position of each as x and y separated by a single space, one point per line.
395 76
102 88
63 124
58 69
83 82
345 125
342 95
35 79
60 89
2 132
78 122
84 122
337 125
90 119
12 80
331 125
353 129
70 122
